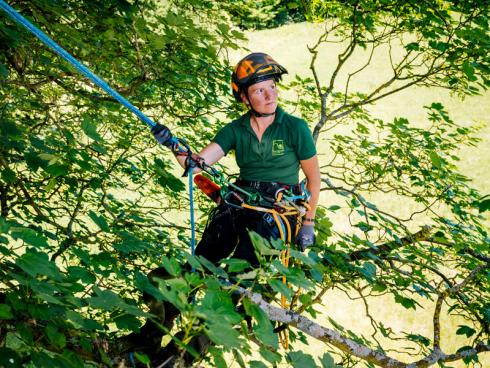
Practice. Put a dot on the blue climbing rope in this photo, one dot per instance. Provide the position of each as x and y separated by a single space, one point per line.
130 356
180 145
191 209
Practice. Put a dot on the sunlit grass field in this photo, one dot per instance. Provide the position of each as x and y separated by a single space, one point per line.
288 45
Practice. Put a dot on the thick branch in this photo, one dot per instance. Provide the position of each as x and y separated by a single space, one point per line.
321 333
347 345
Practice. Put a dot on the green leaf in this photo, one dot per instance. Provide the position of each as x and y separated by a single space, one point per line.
100 221
142 358
81 322
364 226
262 246
465 330
217 306
159 42
127 322
99 148
263 327
484 205
413 46
82 274
193 261
50 185
36 263
211 267
218 358
469 70
30 236
4 225
236 265
5 312
419 338
143 284
379 287
8 175
172 266
55 337
294 275
89 127
280 287
435 159
223 334
9 358
70 359
299 359
257 364
52 159
271 356
369 270
106 300
42 359
4 72
406 302
238 358
328 361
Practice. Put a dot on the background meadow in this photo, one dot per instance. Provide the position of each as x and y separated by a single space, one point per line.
289 46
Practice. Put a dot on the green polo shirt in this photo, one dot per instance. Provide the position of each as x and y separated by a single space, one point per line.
276 157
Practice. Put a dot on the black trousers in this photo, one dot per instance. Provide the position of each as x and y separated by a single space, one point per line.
227 233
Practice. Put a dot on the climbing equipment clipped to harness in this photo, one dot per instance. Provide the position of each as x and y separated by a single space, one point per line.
283 202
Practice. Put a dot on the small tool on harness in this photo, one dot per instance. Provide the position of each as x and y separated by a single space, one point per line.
209 187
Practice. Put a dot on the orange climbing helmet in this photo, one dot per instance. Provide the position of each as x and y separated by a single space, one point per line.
252 69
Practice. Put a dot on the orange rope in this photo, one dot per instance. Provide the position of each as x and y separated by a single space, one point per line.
285 254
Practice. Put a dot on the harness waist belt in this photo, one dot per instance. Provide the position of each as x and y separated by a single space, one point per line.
268 187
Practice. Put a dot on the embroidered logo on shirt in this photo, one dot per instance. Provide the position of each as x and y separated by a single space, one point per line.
277 147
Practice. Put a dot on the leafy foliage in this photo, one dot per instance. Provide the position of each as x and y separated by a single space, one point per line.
88 203
262 14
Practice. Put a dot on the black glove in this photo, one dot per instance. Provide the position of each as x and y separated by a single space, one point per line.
305 237
162 134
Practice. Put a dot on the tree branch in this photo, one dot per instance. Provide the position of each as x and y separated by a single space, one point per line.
348 345
422 235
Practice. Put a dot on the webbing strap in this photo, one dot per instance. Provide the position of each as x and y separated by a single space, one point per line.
74 62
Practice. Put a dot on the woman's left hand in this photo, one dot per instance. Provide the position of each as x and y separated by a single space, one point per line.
306 236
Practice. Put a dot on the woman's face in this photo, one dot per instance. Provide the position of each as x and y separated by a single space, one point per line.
262 96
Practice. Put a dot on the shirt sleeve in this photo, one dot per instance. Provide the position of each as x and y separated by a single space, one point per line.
225 138
305 146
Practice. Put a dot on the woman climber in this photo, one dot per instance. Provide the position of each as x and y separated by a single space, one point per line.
270 147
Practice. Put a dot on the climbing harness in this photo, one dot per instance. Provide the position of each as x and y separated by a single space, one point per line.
283 204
